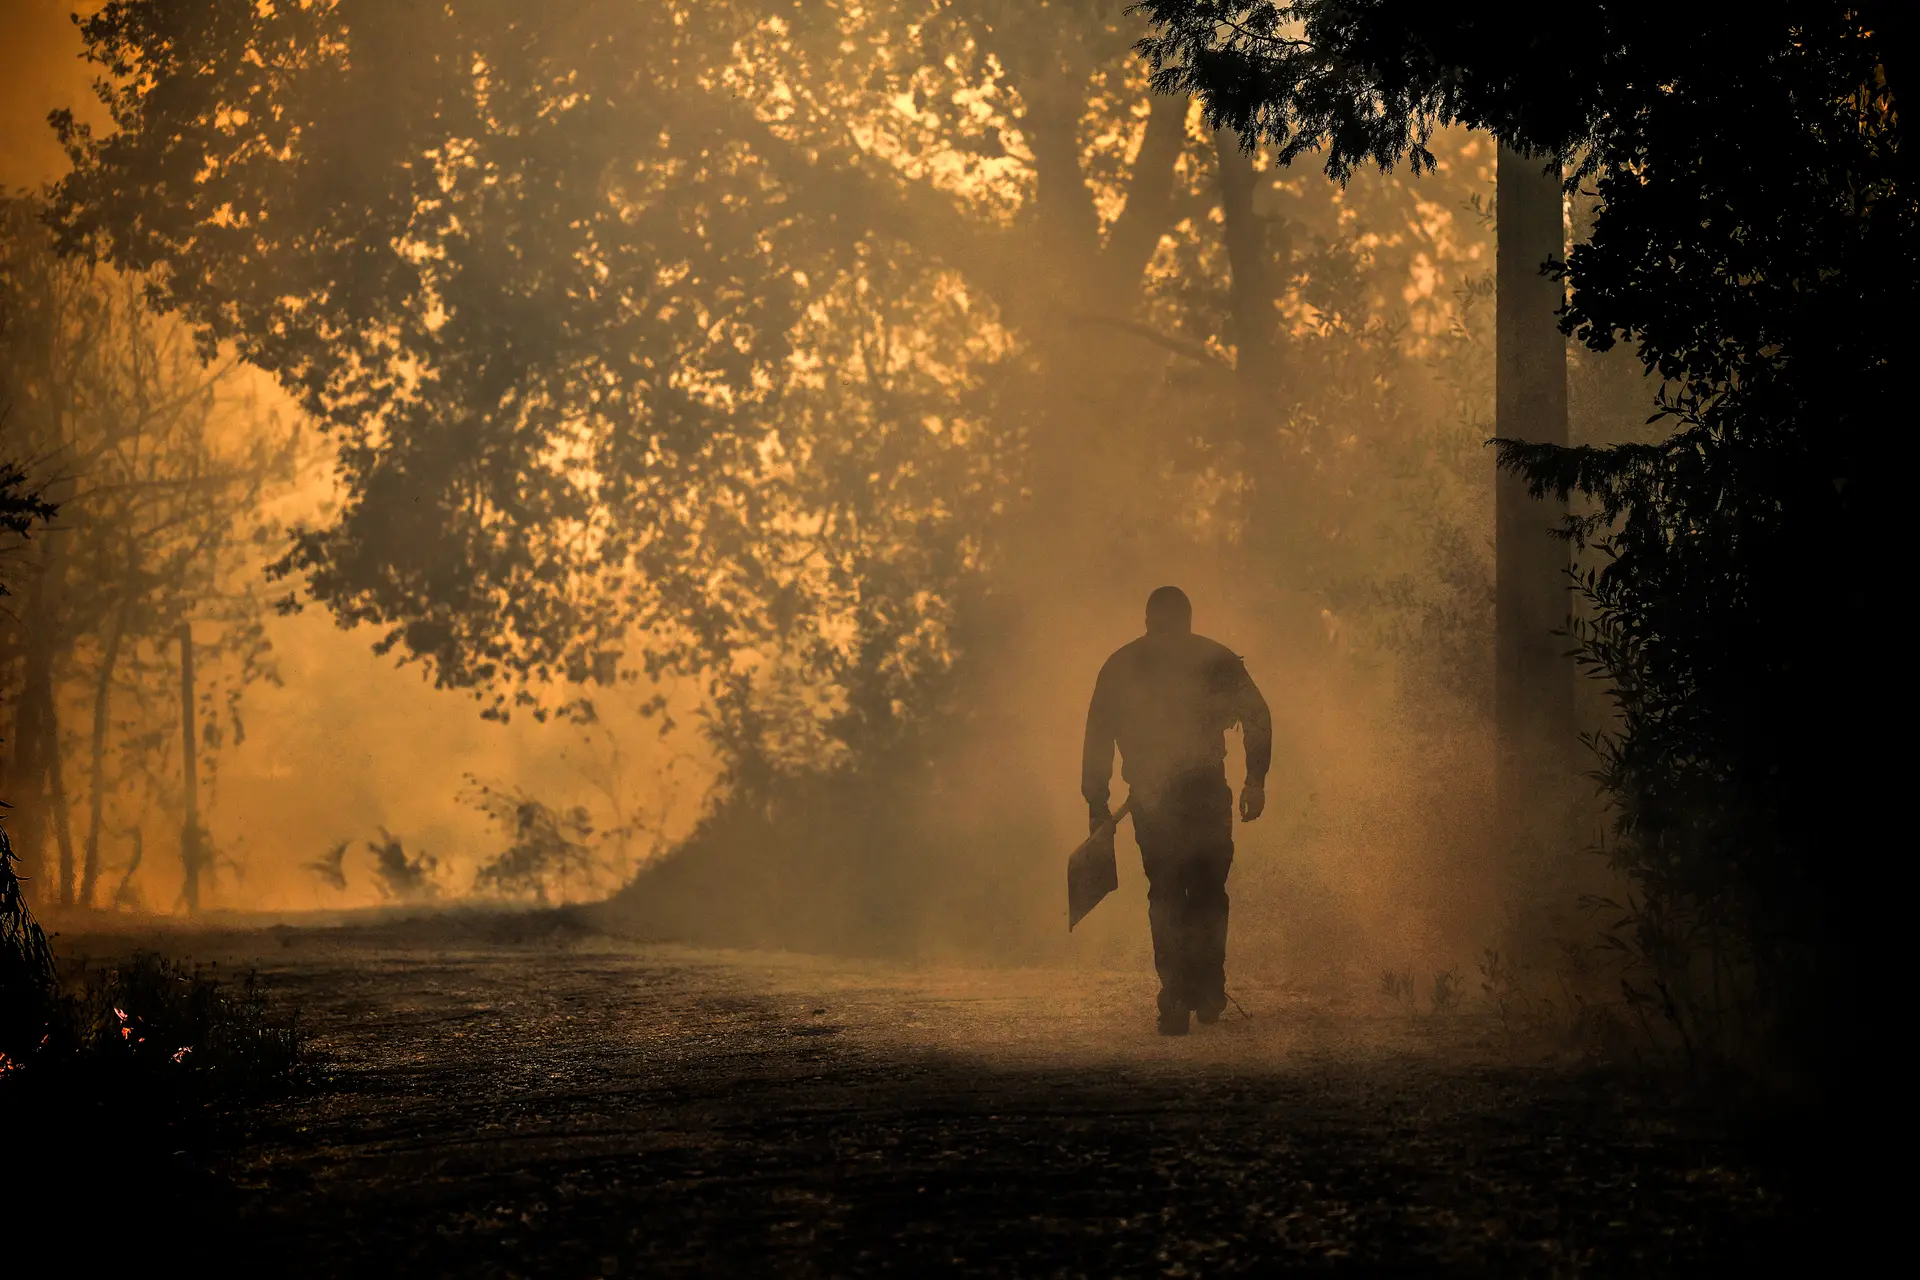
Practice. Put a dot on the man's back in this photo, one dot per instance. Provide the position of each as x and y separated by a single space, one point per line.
1167 701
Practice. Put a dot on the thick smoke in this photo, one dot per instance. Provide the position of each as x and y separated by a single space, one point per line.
1191 368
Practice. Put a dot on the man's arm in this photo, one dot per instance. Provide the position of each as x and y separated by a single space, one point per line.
1256 734
1096 754
1256 727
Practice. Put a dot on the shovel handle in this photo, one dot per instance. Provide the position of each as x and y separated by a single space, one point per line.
1112 824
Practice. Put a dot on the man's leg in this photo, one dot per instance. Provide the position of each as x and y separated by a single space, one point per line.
1206 854
1205 929
1166 916
1185 830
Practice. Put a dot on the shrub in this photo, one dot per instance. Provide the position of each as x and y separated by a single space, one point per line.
145 1023
29 988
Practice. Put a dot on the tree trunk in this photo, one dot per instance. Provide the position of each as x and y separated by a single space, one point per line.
124 896
97 780
57 796
1252 290
1533 680
190 824
29 763
1262 404
42 797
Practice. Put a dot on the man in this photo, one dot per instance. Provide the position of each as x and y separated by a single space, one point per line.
1167 700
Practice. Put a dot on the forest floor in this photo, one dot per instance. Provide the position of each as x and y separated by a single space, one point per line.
574 1105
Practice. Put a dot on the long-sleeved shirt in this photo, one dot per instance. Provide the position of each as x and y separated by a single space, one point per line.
1167 702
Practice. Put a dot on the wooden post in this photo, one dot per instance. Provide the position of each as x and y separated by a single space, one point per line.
190 824
1533 679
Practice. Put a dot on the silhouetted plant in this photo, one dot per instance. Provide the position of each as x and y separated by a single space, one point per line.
550 856
1397 986
409 877
29 987
330 867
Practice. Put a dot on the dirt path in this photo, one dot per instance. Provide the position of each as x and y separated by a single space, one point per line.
583 1108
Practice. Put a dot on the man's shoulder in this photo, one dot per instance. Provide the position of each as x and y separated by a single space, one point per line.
1225 669
1147 653
1124 658
1211 650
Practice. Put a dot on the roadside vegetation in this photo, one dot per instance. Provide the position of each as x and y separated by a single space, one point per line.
147 1026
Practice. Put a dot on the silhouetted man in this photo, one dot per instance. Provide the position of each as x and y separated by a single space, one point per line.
1168 699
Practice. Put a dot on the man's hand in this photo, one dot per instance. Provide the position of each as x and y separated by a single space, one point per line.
1253 800
1098 816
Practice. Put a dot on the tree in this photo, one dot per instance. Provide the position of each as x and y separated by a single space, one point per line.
114 411
1755 237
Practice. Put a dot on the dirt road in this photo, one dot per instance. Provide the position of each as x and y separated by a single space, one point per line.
584 1107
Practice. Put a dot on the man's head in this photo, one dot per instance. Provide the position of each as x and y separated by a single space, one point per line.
1169 612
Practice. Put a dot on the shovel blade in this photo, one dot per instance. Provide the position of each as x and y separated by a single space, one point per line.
1091 875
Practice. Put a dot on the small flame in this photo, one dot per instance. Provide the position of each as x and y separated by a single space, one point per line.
180 1054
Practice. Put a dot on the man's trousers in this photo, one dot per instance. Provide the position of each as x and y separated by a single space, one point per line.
1185 830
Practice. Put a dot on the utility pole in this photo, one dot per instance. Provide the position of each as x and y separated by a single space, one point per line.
190 824
1533 678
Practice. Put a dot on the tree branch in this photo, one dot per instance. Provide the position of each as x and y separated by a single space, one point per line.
1149 208
1196 351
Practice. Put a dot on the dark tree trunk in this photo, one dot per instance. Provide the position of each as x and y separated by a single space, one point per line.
1252 288
1533 679
1262 399
124 896
57 797
97 779
29 774
42 796
190 852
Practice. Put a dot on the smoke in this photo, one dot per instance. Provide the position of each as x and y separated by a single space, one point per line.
1356 582
1277 402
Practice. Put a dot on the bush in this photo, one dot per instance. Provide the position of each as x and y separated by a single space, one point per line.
29 988
146 1024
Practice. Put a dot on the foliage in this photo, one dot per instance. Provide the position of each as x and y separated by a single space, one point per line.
153 1019
654 414
21 506
535 308
401 875
29 984
331 867
1754 237
550 856
1398 986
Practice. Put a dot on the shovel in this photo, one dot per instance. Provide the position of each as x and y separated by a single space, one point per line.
1091 873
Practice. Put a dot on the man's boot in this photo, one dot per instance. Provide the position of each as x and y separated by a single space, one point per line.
1210 1009
1173 1014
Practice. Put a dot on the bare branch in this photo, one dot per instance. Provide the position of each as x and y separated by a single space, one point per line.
1209 356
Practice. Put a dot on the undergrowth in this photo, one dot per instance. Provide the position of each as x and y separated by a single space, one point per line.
147 1025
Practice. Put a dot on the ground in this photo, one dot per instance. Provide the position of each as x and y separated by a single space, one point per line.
575 1105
